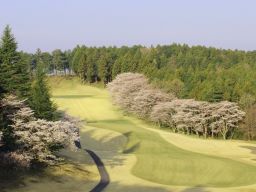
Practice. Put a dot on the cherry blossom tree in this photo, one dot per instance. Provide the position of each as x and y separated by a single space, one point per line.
35 140
125 88
146 99
133 93
202 118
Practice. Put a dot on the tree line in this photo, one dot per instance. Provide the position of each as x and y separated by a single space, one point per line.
198 72
135 95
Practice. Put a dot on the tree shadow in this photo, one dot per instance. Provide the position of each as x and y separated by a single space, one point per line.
196 189
38 179
132 149
116 187
253 149
111 149
108 148
71 96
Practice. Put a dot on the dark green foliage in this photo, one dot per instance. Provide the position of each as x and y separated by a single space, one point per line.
198 72
191 72
14 70
82 67
105 65
14 77
92 68
57 62
40 100
7 129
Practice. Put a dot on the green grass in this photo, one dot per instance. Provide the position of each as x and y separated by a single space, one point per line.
162 162
158 160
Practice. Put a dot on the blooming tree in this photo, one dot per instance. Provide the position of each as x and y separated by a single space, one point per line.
35 140
146 99
125 88
201 118
133 93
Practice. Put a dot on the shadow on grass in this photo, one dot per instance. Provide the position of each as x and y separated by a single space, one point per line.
115 146
11 179
62 174
116 187
39 179
71 96
107 148
132 148
18 179
195 189
253 149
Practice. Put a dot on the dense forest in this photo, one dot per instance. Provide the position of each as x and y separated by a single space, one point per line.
198 72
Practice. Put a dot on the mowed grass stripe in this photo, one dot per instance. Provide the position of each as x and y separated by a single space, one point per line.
157 160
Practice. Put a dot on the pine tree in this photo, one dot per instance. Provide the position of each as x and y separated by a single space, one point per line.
105 68
1 86
14 71
57 60
92 70
9 57
116 68
77 54
82 67
40 100
1 108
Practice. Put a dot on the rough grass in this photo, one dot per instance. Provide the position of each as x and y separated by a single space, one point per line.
158 160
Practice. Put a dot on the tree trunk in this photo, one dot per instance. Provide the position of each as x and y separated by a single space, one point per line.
205 132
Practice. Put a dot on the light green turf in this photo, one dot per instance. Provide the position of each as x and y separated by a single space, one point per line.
157 160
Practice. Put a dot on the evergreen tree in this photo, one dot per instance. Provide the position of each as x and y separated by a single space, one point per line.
60 61
82 67
105 68
75 61
92 69
1 108
40 100
116 69
1 86
14 71
47 60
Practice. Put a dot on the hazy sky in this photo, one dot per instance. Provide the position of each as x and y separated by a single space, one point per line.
51 24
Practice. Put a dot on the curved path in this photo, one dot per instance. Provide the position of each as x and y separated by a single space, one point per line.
104 177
